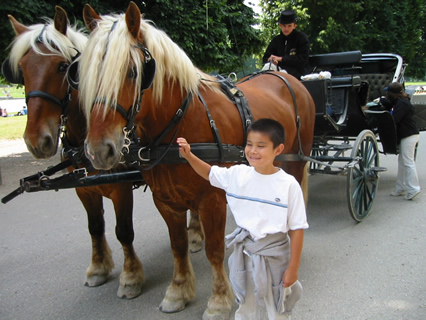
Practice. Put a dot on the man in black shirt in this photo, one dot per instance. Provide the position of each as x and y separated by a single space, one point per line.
290 49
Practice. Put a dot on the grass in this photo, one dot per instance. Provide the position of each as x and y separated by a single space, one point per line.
12 127
418 83
13 91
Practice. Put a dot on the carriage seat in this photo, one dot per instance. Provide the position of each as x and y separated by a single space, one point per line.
336 62
377 83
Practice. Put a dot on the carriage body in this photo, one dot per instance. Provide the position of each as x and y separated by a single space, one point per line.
348 117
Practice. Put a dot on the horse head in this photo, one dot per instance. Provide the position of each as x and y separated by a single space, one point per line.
113 82
40 56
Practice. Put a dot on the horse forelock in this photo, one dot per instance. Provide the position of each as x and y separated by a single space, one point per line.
46 34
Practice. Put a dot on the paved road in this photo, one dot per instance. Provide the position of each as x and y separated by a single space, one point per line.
372 270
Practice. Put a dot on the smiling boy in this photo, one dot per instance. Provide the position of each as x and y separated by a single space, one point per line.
268 206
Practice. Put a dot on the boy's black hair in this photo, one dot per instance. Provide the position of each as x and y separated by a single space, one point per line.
271 128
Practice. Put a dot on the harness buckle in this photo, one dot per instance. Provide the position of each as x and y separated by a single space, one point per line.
80 171
140 154
212 124
179 113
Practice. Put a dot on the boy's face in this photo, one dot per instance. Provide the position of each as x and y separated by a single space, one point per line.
287 29
260 152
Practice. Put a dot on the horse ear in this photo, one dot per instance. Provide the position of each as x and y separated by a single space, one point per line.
133 19
90 17
61 20
17 26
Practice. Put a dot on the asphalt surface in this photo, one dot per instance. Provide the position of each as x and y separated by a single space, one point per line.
371 270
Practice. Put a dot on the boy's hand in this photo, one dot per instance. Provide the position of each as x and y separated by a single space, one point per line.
290 276
184 147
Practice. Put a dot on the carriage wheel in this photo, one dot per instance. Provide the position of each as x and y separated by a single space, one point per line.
363 178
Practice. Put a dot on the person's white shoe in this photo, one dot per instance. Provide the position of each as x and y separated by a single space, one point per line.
410 196
397 193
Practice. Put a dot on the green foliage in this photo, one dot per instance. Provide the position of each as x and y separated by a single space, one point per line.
219 35
216 34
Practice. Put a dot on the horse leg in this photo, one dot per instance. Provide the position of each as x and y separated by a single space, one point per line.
195 233
132 276
213 217
102 263
182 288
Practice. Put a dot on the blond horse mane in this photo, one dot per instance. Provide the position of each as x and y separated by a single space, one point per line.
57 43
110 52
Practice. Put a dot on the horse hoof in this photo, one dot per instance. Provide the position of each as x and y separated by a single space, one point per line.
195 246
195 242
215 316
95 280
172 306
129 292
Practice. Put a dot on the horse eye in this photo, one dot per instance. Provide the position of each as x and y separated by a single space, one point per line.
63 67
133 73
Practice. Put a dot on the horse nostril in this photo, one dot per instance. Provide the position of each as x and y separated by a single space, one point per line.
47 144
111 150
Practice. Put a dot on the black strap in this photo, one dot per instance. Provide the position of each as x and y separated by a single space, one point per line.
209 152
237 97
214 128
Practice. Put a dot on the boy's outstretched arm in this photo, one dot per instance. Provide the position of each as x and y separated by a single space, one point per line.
296 245
200 167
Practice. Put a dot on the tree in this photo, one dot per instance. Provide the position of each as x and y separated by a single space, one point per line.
216 34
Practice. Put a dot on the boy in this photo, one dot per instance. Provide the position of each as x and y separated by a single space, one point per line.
266 203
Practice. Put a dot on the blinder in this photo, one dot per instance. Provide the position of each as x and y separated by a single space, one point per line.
149 68
9 75
72 75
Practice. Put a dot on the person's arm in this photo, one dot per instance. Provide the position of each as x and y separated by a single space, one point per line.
296 244
199 166
269 51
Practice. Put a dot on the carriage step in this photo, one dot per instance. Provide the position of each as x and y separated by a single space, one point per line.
343 146
378 169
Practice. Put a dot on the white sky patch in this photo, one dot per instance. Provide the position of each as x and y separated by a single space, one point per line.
254 4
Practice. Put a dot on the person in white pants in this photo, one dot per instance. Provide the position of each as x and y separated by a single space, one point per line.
398 103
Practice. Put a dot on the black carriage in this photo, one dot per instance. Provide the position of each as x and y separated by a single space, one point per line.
350 120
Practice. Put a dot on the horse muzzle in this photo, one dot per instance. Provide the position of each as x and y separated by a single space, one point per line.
103 156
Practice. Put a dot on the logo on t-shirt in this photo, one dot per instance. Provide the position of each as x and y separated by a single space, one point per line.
277 199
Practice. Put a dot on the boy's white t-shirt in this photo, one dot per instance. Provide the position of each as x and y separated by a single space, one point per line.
261 204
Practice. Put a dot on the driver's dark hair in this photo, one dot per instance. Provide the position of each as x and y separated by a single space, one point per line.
272 128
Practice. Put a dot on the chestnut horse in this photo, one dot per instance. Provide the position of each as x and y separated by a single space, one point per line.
113 79
40 56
